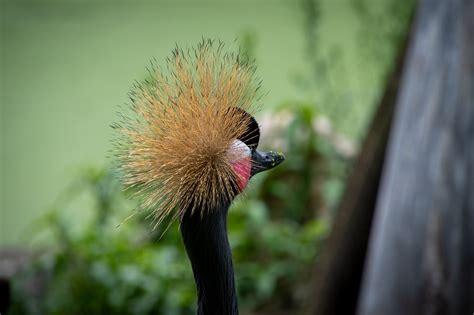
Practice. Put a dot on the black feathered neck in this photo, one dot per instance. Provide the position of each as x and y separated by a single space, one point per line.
207 245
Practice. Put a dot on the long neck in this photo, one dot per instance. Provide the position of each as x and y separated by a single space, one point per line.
208 249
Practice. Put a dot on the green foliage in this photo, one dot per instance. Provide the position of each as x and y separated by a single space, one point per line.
380 29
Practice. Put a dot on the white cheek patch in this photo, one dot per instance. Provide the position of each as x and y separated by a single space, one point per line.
239 150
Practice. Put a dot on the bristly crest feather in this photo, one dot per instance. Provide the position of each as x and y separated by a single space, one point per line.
173 147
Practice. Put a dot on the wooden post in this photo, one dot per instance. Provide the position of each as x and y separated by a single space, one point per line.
421 252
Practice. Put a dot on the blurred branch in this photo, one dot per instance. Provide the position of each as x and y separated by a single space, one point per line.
337 276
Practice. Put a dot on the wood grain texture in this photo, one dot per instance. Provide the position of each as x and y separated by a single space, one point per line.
421 253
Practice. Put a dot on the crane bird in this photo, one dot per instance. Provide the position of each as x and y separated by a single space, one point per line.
189 147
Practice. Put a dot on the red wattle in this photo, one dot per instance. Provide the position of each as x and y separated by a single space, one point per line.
242 169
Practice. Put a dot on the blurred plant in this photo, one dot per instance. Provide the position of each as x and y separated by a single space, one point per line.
105 269
309 184
381 25
326 81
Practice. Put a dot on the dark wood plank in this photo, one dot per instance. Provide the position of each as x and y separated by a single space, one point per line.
421 253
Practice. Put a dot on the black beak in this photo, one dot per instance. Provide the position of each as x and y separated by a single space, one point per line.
262 161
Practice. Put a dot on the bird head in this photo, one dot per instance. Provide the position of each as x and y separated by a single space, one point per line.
190 140
247 160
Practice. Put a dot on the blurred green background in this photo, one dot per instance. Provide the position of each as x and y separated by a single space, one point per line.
66 66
